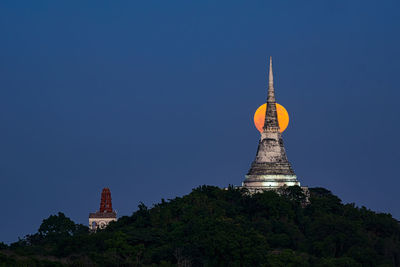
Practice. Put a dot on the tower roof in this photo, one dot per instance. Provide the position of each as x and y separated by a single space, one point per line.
105 203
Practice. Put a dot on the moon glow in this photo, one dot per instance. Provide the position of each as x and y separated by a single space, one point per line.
283 117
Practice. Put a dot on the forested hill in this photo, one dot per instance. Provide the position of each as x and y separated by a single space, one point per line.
215 227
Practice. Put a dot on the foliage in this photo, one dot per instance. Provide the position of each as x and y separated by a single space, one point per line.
215 227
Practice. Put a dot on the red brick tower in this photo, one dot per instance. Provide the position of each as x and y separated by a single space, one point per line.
105 204
105 215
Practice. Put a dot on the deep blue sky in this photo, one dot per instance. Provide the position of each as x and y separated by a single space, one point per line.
154 98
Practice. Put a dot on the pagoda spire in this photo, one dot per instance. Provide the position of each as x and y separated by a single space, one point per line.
271 90
271 117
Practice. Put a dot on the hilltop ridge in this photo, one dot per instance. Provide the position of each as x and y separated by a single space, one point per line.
214 227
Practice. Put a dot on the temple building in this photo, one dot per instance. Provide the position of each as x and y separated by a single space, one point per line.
270 169
101 218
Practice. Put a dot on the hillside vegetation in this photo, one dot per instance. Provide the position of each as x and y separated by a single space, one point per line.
215 227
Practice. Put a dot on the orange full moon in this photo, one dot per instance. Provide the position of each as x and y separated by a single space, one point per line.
283 117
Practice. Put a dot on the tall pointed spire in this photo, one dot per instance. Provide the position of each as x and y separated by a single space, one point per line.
271 116
271 91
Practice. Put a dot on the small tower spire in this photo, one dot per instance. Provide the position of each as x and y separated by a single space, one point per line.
271 90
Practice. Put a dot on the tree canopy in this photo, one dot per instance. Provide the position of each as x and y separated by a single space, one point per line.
216 227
